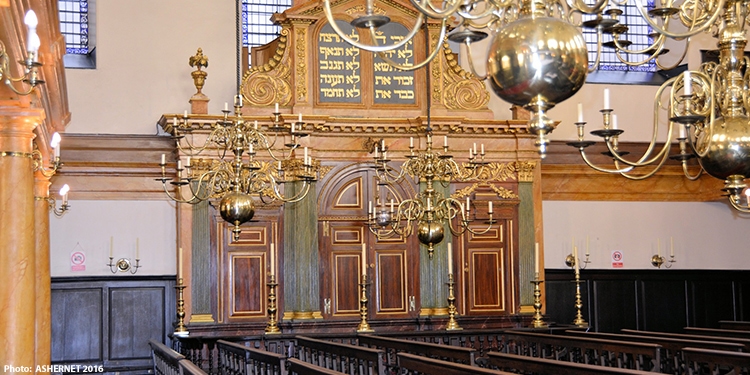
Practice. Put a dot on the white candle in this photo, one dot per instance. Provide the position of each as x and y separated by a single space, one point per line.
536 259
471 154
682 131
184 114
445 141
255 126
392 205
179 165
450 258
467 206
482 150
614 121
292 127
490 207
606 99
575 259
250 148
474 149
226 107
179 264
276 108
163 159
369 207
364 259
137 248
111 246
305 155
240 98
688 83
580 112
411 142
187 163
273 259
300 117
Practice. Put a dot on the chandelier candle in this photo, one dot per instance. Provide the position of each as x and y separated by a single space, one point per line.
273 259
536 261
364 259
179 264
450 258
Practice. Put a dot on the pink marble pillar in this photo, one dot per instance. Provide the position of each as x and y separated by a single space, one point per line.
43 287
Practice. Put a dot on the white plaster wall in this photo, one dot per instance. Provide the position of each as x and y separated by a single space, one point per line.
90 227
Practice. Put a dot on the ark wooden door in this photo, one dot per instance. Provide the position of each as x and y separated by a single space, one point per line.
391 263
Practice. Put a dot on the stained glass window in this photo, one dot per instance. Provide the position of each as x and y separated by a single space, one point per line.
257 28
74 25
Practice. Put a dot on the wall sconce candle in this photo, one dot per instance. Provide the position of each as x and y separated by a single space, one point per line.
572 260
124 264
658 260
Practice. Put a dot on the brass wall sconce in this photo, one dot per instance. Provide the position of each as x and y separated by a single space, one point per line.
64 207
30 63
657 260
124 264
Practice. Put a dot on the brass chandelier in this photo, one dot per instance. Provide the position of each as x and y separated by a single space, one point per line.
705 110
235 176
429 210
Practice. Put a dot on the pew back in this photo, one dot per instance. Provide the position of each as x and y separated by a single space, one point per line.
298 367
706 361
166 360
392 346
717 332
414 364
235 359
737 340
350 359
590 350
543 366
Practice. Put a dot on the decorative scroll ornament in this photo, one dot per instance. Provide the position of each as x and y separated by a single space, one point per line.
270 83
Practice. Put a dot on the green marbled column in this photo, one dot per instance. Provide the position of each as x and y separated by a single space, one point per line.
526 242
301 277
200 264
433 273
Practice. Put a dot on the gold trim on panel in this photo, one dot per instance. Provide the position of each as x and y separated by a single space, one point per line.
526 309
404 288
357 240
511 252
260 240
302 315
487 237
334 259
499 270
437 311
261 276
389 239
202 318
356 184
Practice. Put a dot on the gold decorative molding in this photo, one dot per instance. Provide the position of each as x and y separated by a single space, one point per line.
198 61
301 76
202 318
270 83
461 89
495 171
525 170
499 190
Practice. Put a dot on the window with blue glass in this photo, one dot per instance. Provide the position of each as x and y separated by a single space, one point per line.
637 37
75 26
257 28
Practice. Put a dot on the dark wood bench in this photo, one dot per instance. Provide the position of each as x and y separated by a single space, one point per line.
717 332
672 358
392 346
190 368
734 324
235 359
684 336
166 360
707 361
589 350
298 367
414 364
350 359
543 366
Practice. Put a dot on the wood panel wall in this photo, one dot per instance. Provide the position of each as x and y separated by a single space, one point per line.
109 320
653 300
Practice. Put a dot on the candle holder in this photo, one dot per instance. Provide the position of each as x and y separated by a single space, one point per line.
272 327
538 321
452 323
363 325
123 265
570 261
578 321
658 260
180 329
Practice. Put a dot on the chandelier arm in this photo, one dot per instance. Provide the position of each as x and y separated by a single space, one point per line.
426 7
488 11
690 32
712 117
595 66
677 62
342 35
601 169
296 198
687 172
471 62
427 60
582 7
646 175
737 206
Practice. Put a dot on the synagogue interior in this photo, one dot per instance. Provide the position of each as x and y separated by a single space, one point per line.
375 187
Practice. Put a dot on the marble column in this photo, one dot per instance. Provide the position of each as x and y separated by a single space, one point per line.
433 273
527 234
43 287
17 238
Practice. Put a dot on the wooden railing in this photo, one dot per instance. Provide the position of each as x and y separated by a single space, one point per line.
297 367
350 359
235 359
707 361
414 364
543 366
393 346
169 362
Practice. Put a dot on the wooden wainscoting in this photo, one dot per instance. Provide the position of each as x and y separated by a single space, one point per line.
109 320
651 300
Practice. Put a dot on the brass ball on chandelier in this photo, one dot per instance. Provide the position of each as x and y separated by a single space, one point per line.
236 208
729 147
430 233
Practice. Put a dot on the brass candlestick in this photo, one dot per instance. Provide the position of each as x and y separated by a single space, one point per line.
363 325
272 327
578 321
452 323
538 322
180 330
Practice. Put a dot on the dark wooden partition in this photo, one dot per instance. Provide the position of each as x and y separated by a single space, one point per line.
108 321
653 300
